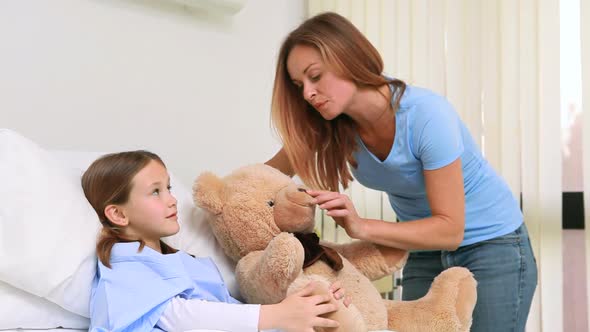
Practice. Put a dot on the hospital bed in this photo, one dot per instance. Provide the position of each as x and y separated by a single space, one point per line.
48 233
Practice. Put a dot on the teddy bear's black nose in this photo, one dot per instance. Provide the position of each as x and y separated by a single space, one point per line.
302 190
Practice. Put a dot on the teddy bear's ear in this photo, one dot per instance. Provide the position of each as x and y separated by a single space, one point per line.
207 192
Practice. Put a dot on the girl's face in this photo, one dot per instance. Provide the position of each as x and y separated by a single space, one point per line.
329 94
151 208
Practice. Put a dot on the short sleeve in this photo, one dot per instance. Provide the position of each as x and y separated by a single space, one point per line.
437 139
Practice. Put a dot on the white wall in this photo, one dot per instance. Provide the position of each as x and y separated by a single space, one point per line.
105 75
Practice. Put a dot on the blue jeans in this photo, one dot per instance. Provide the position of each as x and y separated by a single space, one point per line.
506 273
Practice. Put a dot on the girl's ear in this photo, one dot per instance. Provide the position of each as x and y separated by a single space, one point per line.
116 215
207 192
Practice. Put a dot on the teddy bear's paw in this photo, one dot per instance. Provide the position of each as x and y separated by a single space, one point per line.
447 307
285 255
455 291
466 295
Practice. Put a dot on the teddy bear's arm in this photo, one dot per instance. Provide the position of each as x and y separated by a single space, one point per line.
264 276
372 260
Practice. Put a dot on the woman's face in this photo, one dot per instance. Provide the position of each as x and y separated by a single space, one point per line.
329 94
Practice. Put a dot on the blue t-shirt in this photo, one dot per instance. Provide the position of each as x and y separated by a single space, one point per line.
429 135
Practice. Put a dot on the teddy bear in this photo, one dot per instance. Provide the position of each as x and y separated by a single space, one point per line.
264 221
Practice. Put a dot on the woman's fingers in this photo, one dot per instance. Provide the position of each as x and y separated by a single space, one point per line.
316 193
333 203
323 196
338 213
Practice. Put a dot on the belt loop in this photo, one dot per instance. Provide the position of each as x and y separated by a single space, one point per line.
445 259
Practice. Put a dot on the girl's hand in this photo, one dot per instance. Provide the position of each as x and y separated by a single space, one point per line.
340 207
300 311
338 293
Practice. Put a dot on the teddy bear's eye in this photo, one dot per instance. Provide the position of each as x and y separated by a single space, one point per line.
271 203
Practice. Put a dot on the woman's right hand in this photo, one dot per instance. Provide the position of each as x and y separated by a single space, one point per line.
299 311
342 210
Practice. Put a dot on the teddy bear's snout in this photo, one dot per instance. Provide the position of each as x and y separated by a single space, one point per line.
294 209
300 197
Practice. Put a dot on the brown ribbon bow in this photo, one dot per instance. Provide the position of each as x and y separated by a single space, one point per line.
314 251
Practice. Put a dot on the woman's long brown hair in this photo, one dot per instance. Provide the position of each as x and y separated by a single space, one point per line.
319 150
108 180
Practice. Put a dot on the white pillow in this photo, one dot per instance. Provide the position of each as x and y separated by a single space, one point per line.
48 229
19 309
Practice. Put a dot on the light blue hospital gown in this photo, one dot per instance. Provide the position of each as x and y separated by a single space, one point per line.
133 294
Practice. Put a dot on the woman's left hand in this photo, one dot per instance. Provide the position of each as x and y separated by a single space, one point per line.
340 207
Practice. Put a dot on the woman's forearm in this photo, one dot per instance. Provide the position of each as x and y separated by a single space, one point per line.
434 233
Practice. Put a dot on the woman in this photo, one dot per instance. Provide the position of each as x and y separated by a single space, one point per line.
334 108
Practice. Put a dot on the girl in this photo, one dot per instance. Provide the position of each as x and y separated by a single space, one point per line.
142 284
333 107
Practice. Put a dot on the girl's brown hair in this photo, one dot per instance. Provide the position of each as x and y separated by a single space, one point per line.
321 150
107 181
